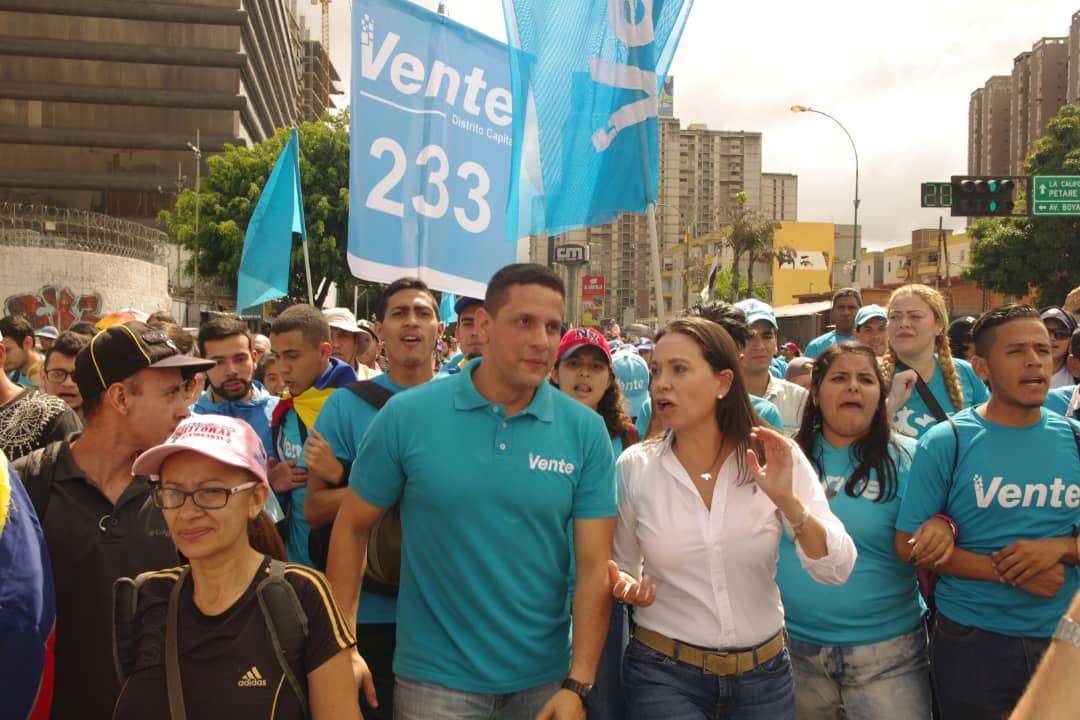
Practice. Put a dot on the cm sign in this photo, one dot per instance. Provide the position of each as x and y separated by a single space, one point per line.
571 254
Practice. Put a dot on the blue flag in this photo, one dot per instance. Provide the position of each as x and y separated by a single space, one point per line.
586 79
429 155
264 264
447 313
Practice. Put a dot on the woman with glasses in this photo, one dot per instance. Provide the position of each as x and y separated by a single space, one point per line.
860 650
211 485
702 512
1060 324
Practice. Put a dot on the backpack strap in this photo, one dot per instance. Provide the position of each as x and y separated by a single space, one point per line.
38 477
927 397
125 603
173 683
287 622
371 392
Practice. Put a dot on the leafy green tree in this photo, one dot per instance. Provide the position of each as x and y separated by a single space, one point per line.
1015 255
726 288
748 233
231 190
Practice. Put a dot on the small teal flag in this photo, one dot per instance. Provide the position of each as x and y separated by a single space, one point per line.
264 264
447 313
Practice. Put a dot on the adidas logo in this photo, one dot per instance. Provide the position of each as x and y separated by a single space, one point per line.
252 678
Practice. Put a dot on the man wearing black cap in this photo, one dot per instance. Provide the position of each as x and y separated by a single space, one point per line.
100 523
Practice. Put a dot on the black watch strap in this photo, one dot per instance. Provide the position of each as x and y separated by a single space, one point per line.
578 688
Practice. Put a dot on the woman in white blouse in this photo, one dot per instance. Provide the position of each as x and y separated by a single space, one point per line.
702 516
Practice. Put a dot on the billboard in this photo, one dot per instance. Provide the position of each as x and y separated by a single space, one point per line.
592 300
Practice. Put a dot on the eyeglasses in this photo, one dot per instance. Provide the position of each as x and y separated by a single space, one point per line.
58 375
1056 334
206 498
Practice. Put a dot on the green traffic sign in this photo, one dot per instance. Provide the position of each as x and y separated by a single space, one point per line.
1055 195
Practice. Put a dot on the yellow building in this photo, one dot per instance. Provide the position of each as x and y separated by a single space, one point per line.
808 268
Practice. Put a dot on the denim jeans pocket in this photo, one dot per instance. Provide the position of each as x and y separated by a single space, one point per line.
946 628
642 653
776 666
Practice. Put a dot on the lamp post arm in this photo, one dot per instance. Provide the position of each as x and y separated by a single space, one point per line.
855 227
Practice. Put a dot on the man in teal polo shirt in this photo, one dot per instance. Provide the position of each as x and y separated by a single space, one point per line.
1006 474
490 467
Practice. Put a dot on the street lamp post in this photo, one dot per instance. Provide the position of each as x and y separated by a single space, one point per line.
197 149
686 256
855 227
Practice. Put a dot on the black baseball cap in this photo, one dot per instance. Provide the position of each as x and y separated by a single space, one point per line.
118 352
465 302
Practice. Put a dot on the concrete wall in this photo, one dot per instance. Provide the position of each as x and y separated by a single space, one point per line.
57 287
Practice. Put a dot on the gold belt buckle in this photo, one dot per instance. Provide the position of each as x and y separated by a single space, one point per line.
721 663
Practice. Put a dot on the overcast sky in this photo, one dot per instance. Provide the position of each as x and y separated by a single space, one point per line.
897 75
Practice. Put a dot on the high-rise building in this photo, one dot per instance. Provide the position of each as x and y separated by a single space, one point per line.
1072 93
1049 86
988 127
319 82
1019 110
99 100
779 196
701 172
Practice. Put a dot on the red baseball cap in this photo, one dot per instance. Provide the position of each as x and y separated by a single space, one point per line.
578 338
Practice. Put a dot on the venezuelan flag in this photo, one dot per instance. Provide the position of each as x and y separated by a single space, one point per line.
28 620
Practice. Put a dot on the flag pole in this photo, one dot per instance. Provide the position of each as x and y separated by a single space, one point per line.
307 272
654 248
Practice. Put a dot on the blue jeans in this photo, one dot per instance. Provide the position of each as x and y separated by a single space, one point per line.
883 680
606 699
661 688
415 700
980 675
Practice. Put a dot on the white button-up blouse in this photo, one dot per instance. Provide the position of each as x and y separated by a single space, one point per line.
714 569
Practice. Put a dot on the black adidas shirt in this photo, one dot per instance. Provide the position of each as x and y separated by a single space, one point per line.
227 662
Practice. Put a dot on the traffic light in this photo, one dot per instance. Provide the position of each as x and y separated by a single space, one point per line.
979 196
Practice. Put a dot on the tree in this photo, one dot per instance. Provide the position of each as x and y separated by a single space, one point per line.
726 287
231 189
747 232
1014 256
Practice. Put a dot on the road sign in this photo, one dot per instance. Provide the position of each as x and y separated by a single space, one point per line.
1056 195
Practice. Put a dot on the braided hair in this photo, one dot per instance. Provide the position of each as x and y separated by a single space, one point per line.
936 303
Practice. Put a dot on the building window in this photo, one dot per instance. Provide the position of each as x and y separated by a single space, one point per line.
888 266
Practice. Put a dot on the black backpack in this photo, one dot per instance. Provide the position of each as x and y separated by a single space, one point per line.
36 471
285 620
384 540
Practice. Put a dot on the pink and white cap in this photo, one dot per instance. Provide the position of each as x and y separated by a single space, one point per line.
225 439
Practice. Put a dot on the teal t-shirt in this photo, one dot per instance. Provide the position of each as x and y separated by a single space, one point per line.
778 367
486 500
342 421
914 417
1058 399
290 446
817 346
880 600
1011 483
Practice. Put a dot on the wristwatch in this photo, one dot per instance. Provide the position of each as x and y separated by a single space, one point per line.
1067 631
578 688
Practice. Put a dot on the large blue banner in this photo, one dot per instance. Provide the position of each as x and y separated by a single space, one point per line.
430 149
586 81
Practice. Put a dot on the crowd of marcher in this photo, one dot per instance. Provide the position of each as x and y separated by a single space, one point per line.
390 518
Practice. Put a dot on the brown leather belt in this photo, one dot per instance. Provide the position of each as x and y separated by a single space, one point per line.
712 662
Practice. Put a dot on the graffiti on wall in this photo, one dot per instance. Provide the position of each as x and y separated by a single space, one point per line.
54 305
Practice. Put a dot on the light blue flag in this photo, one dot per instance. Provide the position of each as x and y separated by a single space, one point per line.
447 313
264 264
586 79
429 159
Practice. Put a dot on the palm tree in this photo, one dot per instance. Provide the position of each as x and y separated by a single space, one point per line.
747 232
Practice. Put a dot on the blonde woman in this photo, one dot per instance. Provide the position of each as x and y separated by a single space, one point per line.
927 383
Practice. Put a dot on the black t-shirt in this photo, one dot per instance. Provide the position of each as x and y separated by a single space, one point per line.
92 542
227 663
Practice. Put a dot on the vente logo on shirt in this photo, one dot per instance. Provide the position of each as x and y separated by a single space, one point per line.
559 465
1010 495
834 485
